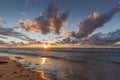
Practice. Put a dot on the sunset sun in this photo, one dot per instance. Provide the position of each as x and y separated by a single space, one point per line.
45 46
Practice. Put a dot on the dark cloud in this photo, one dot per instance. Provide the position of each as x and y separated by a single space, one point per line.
2 42
13 42
66 40
53 19
109 38
10 32
96 39
69 40
92 22
56 38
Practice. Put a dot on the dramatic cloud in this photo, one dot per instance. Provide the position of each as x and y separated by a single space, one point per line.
92 22
10 32
109 38
53 20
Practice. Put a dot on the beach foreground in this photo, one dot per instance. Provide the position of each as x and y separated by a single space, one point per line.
59 64
12 70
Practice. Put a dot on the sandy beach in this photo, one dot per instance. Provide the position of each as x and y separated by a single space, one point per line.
12 70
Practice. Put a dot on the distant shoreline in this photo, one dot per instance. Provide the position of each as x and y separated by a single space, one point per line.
60 47
66 49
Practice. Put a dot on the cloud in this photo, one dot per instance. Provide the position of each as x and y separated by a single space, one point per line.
3 37
1 21
52 20
69 40
11 33
92 22
68 33
55 38
66 40
109 38
2 42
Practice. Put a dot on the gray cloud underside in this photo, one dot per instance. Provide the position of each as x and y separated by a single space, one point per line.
3 37
96 39
52 20
11 33
109 38
92 22
2 42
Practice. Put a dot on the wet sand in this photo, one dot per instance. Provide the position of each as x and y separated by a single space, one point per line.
12 70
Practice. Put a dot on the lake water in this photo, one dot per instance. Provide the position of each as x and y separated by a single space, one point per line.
71 64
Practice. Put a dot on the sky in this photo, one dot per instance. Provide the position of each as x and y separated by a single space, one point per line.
17 16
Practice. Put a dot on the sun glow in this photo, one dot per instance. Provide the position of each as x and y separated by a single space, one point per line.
45 46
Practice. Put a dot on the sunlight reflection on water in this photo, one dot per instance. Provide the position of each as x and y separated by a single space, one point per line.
43 60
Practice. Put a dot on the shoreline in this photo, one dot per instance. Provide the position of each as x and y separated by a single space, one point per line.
98 50
13 70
